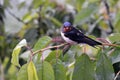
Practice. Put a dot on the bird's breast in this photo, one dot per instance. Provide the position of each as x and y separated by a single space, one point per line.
67 39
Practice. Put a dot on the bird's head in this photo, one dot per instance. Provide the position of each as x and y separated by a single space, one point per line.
67 27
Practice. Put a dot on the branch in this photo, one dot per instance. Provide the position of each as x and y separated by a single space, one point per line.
94 24
50 47
31 56
13 15
108 14
117 75
108 44
58 46
106 6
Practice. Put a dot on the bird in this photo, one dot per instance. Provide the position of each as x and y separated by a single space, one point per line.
74 36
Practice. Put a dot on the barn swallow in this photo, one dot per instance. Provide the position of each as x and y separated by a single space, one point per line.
74 36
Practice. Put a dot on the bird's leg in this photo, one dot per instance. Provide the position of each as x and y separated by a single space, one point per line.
66 48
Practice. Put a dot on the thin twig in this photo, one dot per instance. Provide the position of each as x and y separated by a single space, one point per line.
17 18
30 51
108 14
117 75
108 44
50 47
94 24
106 6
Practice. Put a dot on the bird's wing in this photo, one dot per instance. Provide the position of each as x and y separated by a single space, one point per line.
79 37
90 41
75 35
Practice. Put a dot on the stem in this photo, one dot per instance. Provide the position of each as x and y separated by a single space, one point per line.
117 75
17 18
42 68
50 47
108 44
32 54
108 14
56 63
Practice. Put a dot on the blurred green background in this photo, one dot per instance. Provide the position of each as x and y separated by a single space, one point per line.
33 19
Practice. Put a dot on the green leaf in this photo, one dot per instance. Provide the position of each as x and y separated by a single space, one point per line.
21 5
104 69
32 74
79 4
114 37
113 2
53 55
21 44
29 16
15 57
85 14
45 71
56 22
2 41
84 69
80 1
16 51
7 3
42 43
59 70
22 74
38 3
116 21
115 55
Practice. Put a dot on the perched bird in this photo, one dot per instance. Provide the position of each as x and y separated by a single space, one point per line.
73 36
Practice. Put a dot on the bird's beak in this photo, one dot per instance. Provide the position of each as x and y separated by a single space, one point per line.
67 28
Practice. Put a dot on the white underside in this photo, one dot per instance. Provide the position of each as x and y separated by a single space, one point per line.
67 39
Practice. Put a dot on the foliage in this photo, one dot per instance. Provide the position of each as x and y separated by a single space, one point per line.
38 53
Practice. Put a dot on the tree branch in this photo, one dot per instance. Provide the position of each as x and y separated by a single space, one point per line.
108 14
17 18
108 44
50 47
32 54
117 75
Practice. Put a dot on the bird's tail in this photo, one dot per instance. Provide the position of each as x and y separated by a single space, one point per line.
91 42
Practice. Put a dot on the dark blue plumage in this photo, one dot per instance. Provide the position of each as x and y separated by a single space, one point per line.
72 35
